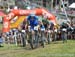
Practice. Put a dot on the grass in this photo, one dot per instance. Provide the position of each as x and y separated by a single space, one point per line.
52 50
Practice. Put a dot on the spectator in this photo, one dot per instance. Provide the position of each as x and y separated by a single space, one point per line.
63 28
1 40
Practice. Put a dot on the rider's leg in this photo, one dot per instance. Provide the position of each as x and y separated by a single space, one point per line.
31 39
36 39
33 34
46 36
23 39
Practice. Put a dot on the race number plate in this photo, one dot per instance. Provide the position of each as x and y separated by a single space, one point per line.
23 30
42 29
36 28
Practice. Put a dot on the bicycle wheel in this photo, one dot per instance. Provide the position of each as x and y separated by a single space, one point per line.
31 41
42 38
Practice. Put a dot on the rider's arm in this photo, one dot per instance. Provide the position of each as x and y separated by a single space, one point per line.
36 22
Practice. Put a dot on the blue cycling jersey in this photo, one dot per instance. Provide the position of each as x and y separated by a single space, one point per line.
33 22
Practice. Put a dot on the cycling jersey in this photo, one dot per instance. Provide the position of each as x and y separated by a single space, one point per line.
42 27
33 22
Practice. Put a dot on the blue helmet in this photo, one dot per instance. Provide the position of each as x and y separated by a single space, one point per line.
32 14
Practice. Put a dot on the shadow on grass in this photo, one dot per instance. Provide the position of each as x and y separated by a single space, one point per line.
1 46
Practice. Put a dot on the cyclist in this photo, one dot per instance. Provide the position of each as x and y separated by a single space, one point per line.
33 22
33 28
63 28
42 29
